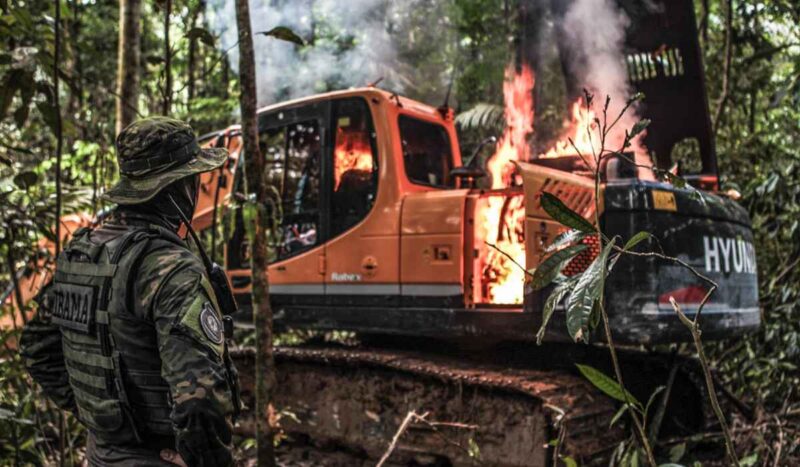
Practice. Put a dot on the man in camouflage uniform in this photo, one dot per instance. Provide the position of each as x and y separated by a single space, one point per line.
129 337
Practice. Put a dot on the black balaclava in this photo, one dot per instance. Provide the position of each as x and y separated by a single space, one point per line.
184 191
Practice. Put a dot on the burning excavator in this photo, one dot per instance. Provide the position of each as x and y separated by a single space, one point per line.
382 228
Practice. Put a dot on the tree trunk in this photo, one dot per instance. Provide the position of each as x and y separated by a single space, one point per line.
726 71
262 313
130 13
167 103
191 66
226 78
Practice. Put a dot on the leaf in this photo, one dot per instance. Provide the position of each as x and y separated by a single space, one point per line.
586 293
550 304
652 398
749 461
49 114
619 414
552 265
607 385
676 452
638 127
482 116
9 87
569 462
565 238
26 180
677 181
26 95
201 34
285 34
563 214
636 239
154 59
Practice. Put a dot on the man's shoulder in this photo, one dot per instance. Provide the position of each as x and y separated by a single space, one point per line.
164 256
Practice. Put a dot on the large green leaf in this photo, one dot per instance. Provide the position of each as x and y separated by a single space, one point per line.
552 302
563 214
285 34
587 292
604 383
566 238
552 265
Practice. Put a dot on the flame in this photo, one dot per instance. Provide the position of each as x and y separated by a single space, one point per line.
500 218
513 145
352 152
581 129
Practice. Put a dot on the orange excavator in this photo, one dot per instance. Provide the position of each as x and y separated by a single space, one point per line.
381 227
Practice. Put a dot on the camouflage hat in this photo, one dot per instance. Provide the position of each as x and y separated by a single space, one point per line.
154 152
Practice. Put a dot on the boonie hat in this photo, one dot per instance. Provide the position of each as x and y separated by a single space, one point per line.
154 152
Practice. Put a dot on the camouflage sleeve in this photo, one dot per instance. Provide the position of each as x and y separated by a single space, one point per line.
40 348
190 341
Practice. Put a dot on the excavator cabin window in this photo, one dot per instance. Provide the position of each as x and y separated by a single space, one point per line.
355 164
426 152
292 156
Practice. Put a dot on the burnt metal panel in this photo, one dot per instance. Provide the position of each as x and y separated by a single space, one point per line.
664 62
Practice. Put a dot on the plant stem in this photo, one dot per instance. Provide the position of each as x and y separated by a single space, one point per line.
694 328
603 314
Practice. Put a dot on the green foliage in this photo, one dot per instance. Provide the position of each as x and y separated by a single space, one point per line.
285 34
482 116
560 212
609 387
555 297
588 291
637 239
548 269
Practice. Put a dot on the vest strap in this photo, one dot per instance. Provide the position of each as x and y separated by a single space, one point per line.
90 359
98 382
87 269
101 316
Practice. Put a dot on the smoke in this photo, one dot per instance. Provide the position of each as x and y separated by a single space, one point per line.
594 31
285 71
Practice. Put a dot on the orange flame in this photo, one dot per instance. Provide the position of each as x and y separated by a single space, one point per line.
581 130
352 152
501 217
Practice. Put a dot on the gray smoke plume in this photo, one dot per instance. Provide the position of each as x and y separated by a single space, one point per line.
285 72
595 33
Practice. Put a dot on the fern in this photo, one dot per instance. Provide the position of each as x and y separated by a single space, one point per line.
482 116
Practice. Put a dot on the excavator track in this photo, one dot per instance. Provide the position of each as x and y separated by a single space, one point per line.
475 412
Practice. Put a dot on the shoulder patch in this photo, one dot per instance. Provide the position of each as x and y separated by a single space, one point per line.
210 323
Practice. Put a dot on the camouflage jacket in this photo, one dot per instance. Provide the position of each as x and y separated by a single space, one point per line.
170 297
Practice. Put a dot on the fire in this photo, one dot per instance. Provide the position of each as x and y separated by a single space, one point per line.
513 145
352 152
582 130
501 217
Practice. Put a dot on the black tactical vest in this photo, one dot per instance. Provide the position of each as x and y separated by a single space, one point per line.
111 353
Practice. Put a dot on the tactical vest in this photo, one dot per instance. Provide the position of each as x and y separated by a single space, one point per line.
111 354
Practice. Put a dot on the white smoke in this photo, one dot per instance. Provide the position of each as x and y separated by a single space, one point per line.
595 34
285 72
